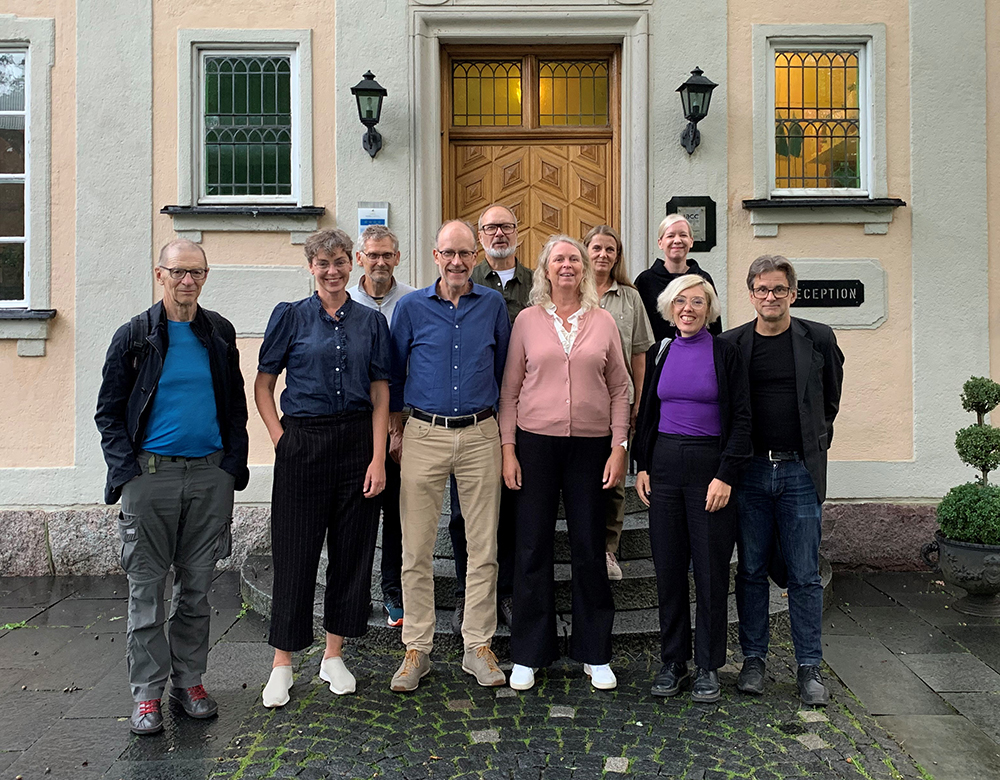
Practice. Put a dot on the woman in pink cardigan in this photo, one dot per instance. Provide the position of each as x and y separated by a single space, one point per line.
564 418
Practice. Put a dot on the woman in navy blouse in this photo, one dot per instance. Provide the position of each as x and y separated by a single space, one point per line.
692 440
329 463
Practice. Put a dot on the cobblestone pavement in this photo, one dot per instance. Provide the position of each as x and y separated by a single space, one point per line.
452 728
64 698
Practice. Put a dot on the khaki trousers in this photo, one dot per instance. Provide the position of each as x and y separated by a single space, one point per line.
430 454
615 518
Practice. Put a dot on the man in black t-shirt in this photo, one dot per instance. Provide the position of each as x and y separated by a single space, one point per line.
796 371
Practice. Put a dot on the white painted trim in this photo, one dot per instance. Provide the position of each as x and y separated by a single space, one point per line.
875 218
871 39
190 44
38 35
432 28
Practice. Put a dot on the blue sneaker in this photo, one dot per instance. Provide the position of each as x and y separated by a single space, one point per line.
393 611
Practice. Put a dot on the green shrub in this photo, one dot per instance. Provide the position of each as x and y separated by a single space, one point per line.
980 395
979 447
971 513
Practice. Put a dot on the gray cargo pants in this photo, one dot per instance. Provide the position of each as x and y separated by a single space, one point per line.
177 512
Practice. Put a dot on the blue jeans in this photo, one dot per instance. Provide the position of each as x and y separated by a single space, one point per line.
779 496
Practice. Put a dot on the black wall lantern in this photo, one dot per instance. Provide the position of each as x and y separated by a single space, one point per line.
369 94
696 95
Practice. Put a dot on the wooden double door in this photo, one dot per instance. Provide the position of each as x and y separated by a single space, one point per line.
537 131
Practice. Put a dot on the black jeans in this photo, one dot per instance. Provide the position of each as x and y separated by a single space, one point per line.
680 530
575 466
392 533
505 541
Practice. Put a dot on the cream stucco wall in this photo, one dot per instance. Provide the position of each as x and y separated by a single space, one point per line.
225 248
876 419
37 424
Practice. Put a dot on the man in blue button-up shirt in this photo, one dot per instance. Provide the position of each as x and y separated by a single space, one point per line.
449 345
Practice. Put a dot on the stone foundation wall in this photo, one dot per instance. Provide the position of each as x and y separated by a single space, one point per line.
84 540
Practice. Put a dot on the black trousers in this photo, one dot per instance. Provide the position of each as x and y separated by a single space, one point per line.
574 465
392 533
680 530
319 472
505 541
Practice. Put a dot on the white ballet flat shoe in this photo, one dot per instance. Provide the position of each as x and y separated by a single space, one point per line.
276 691
333 671
522 678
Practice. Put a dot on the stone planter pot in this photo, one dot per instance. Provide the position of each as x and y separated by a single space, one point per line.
973 567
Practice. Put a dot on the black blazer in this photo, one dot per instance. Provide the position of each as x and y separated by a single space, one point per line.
819 377
734 409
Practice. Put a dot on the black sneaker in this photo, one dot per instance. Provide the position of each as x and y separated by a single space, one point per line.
706 686
751 679
146 718
671 679
811 688
458 616
505 611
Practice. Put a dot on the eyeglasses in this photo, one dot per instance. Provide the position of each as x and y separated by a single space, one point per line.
449 254
695 303
385 257
323 265
198 274
779 292
493 227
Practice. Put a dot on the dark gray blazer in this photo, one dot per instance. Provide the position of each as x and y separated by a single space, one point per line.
819 376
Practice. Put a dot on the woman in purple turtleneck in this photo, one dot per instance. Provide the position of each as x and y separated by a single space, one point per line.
692 441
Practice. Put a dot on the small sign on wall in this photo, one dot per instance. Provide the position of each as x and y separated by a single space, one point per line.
700 214
830 292
372 212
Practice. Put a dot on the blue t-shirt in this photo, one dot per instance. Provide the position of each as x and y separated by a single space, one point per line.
331 363
183 419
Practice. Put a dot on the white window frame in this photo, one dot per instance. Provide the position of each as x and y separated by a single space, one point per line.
190 44
209 51
21 178
869 36
860 46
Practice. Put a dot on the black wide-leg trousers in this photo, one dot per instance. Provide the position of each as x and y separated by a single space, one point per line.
680 530
575 466
319 473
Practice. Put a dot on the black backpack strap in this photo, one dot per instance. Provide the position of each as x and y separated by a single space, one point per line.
138 346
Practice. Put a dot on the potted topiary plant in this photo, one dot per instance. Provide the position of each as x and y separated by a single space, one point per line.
968 544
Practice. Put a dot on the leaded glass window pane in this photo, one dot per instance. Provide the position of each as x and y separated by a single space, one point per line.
486 93
817 133
11 272
573 93
248 125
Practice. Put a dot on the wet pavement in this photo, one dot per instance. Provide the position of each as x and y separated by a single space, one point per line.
910 666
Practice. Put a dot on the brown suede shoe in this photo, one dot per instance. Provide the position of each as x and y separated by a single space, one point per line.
482 664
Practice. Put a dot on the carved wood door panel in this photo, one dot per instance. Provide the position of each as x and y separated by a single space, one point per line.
552 188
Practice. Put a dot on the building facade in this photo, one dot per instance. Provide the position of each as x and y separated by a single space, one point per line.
851 138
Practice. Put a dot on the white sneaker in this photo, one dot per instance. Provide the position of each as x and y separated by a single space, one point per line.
522 678
276 691
601 676
614 570
333 671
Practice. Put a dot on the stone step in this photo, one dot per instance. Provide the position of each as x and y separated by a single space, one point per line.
635 630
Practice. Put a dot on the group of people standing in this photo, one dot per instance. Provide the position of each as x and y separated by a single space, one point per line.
511 387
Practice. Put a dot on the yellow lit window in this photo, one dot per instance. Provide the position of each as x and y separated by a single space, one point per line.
573 93
486 93
817 134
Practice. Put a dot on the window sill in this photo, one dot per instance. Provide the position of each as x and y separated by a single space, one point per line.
299 221
29 326
768 213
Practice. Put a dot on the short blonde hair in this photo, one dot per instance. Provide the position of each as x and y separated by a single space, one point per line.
668 221
664 303
541 287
